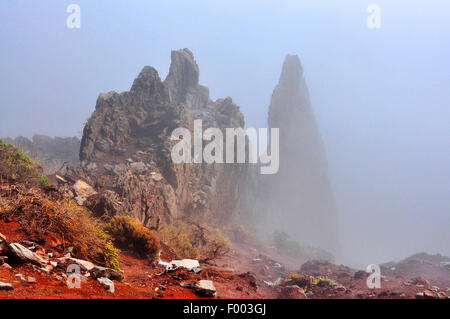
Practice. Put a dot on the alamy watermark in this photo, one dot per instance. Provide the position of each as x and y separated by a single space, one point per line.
250 147
374 279
374 19
74 19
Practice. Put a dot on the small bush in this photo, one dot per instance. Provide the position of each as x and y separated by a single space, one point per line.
324 281
176 235
242 234
129 232
42 219
42 180
287 246
294 275
192 240
16 165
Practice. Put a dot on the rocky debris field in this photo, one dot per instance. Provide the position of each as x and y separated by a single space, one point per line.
31 270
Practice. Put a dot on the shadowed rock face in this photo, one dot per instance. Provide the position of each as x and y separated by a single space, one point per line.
300 198
126 146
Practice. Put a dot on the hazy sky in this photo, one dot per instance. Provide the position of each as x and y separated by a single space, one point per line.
381 96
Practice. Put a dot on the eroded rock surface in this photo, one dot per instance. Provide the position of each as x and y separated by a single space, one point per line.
126 149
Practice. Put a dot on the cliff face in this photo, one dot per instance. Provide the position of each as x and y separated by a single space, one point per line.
126 144
299 197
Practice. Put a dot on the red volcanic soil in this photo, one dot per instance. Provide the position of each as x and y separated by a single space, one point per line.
244 273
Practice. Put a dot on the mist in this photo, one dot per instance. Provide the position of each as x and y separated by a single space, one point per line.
380 96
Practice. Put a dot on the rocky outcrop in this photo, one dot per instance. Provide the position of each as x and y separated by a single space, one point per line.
299 198
49 152
126 148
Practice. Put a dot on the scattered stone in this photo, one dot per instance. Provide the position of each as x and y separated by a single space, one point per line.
428 294
421 281
107 283
82 189
188 284
340 288
5 286
2 238
27 255
138 167
156 177
31 280
3 259
7 266
28 243
20 276
189 264
98 272
396 293
205 288
84 265
47 269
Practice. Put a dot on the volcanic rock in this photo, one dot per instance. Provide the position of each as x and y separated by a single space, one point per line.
128 137
26 255
205 288
305 205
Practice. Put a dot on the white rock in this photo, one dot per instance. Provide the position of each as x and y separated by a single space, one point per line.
5 286
86 265
27 255
189 264
83 189
205 288
107 283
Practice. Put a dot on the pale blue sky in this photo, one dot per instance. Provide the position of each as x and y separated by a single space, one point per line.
381 96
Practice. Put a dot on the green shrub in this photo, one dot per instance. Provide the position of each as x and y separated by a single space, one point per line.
324 281
285 245
42 179
112 254
16 165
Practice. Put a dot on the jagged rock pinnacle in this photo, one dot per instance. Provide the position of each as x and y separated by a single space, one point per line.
183 74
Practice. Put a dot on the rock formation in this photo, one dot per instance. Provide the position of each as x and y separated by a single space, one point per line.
299 197
126 144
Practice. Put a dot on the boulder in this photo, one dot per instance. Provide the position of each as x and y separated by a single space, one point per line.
107 283
189 264
26 255
5 286
205 288
83 189
99 272
83 264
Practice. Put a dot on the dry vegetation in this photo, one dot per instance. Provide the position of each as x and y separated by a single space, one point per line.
193 240
72 225
129 232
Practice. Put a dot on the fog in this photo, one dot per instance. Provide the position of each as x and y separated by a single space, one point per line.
380 96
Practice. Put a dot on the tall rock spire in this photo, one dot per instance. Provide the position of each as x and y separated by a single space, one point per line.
300 197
